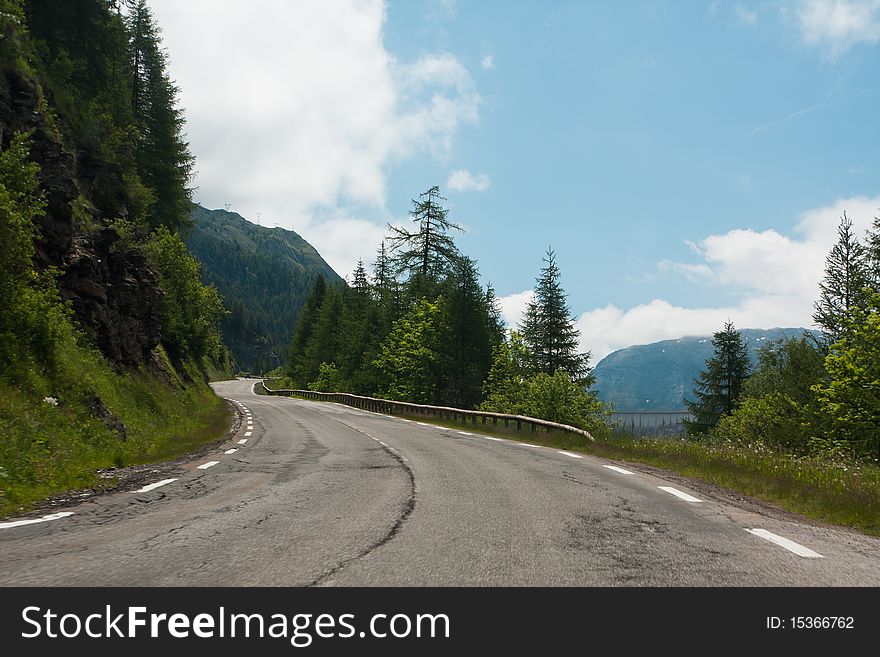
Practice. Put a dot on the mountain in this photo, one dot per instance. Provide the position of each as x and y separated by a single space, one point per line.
660 375
264 276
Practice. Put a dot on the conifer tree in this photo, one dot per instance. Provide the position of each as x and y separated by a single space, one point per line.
429 253
466 343
873 253
302 332
720 385
842 289
164 162
548 329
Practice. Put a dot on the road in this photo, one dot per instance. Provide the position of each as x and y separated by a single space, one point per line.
323 494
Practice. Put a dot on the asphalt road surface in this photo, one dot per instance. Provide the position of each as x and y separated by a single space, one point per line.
323 494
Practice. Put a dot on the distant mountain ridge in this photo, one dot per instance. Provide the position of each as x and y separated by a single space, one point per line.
659 376
264 276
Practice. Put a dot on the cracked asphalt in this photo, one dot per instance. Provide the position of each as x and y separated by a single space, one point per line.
323 494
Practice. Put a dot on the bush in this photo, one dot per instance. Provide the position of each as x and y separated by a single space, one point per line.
773 421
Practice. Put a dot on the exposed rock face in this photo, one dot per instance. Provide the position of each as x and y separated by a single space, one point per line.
114 292
114 297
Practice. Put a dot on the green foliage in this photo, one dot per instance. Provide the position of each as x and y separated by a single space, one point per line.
778 409
371 330
850 398
773 420
409 357
512 387
329 379
469 333
32 318
842 289
427 254
164 161
720 385
297 367
189 311
786 366
54 439
549 331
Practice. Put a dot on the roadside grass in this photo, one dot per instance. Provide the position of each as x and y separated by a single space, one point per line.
54 440
843 493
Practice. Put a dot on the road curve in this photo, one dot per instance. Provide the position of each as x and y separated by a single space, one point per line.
323 494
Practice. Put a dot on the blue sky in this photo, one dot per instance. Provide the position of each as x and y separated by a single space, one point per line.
687 160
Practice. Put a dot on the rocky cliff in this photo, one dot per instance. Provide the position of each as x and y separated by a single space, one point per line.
112 290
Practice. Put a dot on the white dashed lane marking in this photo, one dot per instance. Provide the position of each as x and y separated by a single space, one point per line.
209 464
465 433
242 441
789 545
616 469
21 523
154 486
248 433
497 440
680 494
574 456
231 451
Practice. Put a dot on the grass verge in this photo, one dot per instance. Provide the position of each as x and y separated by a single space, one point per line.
59 427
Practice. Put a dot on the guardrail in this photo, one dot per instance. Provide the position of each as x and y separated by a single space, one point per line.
518 423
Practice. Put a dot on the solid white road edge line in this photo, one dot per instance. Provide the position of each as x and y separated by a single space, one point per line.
209 464
679 494
791 546
574 456
616 469
154 486
51 516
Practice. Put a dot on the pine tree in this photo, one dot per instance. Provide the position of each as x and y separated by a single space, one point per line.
302 332
359 282
720 385
842 289
429 253
549 331
466 343
873 253
164 162
324 343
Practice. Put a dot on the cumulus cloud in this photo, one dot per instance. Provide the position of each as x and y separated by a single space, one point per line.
463 180
773 277
513 306
296 110
838 25
488 62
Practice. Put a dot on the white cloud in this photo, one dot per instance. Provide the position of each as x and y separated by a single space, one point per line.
745 16
463 180
296 110
838 25
774 277
513 307
488 62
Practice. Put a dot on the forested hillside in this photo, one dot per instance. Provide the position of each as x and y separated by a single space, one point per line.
107 335
263 275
